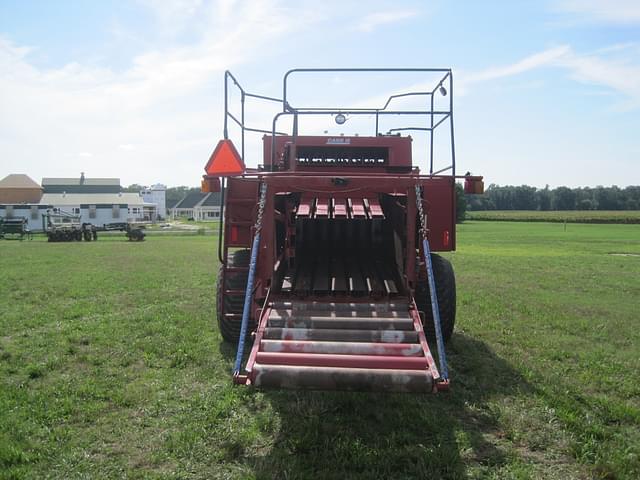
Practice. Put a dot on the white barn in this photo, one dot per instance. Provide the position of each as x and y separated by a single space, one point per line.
99 208
33 212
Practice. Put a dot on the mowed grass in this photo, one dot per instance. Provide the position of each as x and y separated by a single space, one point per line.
569 216
111 366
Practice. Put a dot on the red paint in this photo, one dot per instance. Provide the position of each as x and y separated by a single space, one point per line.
345 361
224 161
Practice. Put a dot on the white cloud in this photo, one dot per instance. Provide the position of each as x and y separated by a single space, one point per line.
602 11
373 20
601 68
167 103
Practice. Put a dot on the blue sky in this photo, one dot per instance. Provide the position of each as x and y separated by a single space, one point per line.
546 92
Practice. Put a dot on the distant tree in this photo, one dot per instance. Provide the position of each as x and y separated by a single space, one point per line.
608 198
585 204
564 199
543 198
133 188
461 204
510 197
524 198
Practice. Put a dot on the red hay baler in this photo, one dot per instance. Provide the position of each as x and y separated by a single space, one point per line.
327 271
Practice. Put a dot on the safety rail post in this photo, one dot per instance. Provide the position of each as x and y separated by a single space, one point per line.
248 296
435 309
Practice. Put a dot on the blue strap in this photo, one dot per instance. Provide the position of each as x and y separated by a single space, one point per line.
435 309
247 302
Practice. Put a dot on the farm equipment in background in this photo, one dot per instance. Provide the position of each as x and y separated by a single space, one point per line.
61 226
135 233
325 249
15 228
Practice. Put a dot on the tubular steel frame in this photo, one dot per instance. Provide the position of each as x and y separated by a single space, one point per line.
435 117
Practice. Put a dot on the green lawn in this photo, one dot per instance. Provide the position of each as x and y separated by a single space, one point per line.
111 366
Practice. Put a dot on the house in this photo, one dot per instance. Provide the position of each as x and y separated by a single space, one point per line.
199 206
156 195
20 197
33 212
19 188
99 201
81 185
98 208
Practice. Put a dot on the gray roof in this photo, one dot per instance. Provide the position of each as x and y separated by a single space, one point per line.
77 181
18 180
191 200
70 199
212 200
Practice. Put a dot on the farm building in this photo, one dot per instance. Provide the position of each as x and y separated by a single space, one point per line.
101 208
156 195
19 188
31 211
199 206
81 185
98 200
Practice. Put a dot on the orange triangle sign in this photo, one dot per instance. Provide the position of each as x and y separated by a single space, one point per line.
224 161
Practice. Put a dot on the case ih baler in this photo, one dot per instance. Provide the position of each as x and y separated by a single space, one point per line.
325 249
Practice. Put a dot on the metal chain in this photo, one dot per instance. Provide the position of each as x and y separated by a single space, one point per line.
261 204
423 224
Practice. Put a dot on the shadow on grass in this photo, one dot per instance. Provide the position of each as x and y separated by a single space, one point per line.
360 435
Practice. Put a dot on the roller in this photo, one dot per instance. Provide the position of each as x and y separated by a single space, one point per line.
329 378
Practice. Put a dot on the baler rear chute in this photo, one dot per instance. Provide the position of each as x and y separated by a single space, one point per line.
325 253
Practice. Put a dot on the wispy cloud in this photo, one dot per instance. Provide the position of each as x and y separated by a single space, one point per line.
601 11
601 68
163 103
373 20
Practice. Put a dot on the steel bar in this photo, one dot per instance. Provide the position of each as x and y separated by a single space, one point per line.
356 379
341 335
343 322
342 361
285 313
342 348
397 306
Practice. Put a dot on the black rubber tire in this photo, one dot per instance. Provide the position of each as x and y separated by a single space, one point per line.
446 291
230 328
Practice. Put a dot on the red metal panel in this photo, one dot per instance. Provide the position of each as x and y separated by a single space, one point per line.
399 149
375 208
417 324
339 208
264 317
346 361
357 208
439 205
305 207
322 207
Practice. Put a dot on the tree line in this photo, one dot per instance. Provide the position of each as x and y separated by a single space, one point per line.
524 197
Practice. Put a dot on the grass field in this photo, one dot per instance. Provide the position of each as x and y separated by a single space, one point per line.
111 367
570 216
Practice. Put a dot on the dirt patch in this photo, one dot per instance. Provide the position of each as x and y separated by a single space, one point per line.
625 254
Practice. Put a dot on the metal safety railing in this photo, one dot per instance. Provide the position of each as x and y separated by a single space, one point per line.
434 118
435 308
